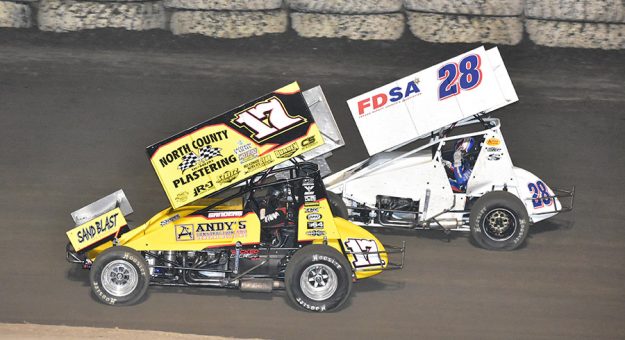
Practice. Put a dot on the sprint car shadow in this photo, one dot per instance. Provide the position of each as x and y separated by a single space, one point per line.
550 225
376 285
429 234
210 291
77 274
368 285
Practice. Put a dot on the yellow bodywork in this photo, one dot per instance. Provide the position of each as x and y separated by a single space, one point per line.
175 230
96 230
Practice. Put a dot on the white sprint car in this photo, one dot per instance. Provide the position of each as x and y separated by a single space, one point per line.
462 178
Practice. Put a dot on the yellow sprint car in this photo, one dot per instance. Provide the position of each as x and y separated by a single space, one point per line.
275 230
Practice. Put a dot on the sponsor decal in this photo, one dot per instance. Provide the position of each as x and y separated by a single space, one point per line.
259 163
184 232
169 220
205 154
310 210
315 225
252 254
222 214
204 170
220 230
493 141
313 217
309 142
494 156
217 230
493 149
182 196
287 152
184 150
266 119
364 251
245 152
309 190
96 229
382 100
216 153
316 233
198 190
228 176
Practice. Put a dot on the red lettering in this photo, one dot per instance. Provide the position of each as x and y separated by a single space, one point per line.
379 100
362 105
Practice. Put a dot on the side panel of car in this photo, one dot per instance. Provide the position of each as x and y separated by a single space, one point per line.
355 239
534 193
200 231
493 167
410 177
315 221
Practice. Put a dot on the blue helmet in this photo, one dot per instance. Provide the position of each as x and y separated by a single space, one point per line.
465 145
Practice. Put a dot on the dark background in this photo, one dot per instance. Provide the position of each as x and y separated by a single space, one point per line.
77 111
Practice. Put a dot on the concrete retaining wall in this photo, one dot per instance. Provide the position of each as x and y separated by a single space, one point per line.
579 23
558 23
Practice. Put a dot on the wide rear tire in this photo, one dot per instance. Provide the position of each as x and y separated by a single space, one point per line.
318 278
499 221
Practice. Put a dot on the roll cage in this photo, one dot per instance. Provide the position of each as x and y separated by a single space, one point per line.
436 142
285 175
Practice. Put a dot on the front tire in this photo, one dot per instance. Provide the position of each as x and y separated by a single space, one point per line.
119 276
318 278
499 221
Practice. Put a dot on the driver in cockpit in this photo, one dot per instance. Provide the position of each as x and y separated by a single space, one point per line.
461 167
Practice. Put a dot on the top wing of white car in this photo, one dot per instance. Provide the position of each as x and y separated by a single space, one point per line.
412 107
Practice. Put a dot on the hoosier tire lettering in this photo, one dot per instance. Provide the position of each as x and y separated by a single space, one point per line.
318 278
499 221
119 276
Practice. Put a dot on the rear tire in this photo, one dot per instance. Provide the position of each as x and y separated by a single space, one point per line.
318 278
499 221
337 205
119 276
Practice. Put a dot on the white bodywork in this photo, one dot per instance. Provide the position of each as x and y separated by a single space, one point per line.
412 189
410 108
420 176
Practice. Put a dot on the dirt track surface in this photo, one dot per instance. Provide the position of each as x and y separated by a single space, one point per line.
77 110
30 331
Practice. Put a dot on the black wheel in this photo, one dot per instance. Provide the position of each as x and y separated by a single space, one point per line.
337 206
119 276
499 221
318 278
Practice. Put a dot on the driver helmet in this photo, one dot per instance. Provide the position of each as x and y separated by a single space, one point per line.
274 192
465 145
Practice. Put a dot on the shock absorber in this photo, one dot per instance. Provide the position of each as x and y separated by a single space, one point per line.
237 255
170 257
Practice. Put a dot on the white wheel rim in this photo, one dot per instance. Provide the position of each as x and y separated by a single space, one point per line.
119 278
318 282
